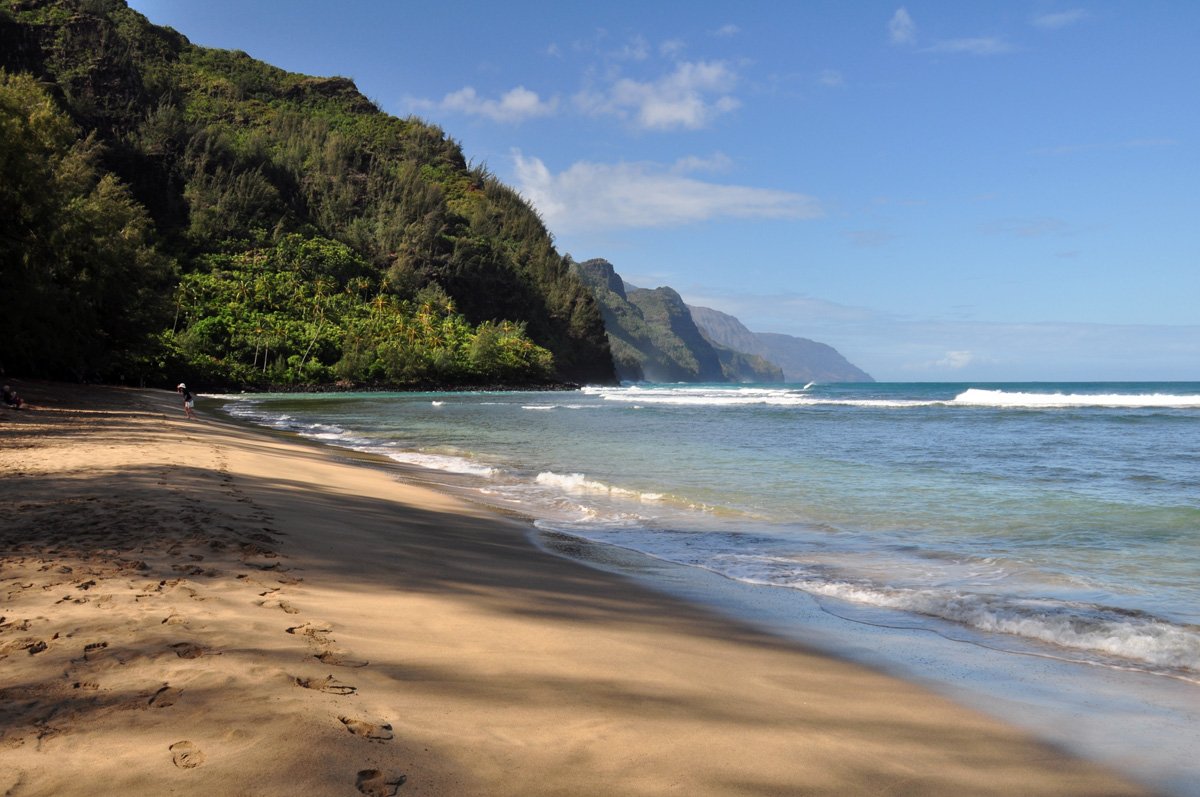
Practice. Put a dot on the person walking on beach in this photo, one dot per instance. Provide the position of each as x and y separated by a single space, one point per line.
11 399
188 400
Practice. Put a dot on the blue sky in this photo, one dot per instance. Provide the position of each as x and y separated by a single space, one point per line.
958 191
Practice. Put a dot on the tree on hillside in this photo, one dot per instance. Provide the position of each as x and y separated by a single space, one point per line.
80 278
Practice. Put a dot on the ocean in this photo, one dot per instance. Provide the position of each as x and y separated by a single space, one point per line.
1032 549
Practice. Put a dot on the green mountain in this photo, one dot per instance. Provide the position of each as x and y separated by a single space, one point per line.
654 337
650 332
169 210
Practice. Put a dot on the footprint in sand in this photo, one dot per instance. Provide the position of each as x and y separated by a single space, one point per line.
94 650
314 631
186 755
339 659
375 783
287 607
165 697
327 684
368 730
188 650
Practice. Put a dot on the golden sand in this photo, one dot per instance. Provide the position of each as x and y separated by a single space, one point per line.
191 607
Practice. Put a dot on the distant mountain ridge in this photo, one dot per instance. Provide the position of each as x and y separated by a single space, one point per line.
801 359
655 336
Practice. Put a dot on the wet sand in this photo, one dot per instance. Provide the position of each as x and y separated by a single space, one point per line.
192 607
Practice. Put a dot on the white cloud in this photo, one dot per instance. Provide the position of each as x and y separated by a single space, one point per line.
725 31
983 45
901 28
717 162
672 48
595 196
954 360
870 238
515 105
688 98
1059 19
1136 143
1028 228
636 49
831 78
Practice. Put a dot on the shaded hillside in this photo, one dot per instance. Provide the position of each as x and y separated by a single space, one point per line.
738 366
801 360
654 338
651 333
804 360
226 166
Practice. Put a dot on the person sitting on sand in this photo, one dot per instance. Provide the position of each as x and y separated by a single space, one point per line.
11 399
188 400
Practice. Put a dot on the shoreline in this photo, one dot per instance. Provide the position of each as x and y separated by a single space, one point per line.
215 570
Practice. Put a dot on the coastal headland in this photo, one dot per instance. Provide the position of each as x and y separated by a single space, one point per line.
192 607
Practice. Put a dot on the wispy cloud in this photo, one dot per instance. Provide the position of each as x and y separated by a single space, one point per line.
1136 143
515 105
981 45
1028 228
870 239
1059 19
690 164
954 360
636 49
688 98
901 28
596 196
726 31
831 78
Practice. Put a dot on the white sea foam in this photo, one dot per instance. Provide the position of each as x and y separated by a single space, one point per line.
1070 625
1083 631
732 397
976 397
578 483
442 462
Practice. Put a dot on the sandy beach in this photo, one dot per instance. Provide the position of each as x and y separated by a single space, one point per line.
191 607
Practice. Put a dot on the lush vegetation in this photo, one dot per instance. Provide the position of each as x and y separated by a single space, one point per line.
171 211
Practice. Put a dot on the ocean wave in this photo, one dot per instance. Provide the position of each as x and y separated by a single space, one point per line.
733 397
442 462
579 483
977 397
1079 626
1134 636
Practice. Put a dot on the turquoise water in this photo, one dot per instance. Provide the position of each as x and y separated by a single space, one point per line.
1032 549
1059 515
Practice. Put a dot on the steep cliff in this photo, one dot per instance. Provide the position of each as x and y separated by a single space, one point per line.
801 359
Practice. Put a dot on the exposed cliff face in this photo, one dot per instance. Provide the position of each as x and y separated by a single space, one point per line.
651 332
746 368
801 359
685 356
656 337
